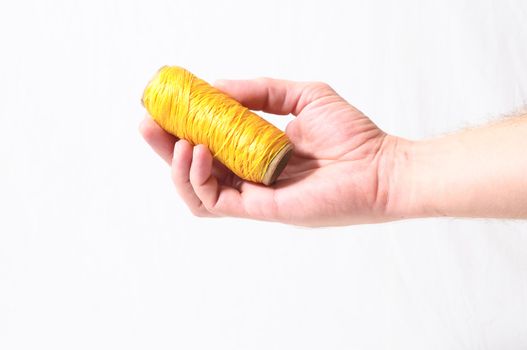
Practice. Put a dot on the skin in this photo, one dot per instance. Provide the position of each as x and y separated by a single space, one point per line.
345 170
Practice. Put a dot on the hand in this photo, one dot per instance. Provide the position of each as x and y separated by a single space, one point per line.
339 172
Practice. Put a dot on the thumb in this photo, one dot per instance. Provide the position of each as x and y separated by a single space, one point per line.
273 95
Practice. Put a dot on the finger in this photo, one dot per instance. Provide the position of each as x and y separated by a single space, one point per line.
180 170
217 199
161 141
273 95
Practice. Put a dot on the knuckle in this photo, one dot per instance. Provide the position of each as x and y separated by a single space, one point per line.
199 212
209 208
264 80
320 86
178 180
215 209
193 178
316 89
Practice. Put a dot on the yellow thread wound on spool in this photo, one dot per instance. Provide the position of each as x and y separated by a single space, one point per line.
191 109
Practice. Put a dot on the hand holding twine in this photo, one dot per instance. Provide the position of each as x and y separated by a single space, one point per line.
191 109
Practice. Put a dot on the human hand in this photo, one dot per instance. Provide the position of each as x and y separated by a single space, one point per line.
339 173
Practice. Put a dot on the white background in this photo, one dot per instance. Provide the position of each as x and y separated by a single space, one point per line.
98 252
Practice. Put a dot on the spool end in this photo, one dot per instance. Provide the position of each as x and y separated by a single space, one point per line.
277 165
150 82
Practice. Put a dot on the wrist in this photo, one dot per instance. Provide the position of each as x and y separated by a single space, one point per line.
409 195
474 173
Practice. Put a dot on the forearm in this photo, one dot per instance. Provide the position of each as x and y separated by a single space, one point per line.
480 172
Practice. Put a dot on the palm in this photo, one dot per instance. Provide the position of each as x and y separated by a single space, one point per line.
335 156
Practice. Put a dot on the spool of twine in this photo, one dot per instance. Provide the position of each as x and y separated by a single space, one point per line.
191 109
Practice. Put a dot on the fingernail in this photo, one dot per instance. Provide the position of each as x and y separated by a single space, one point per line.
197 149
176 149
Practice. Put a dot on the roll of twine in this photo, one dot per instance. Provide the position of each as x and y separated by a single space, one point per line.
191 109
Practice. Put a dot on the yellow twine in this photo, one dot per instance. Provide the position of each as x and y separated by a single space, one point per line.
191 109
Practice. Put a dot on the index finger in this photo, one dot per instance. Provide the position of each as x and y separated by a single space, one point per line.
161 141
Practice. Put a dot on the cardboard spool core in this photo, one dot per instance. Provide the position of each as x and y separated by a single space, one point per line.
277 165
